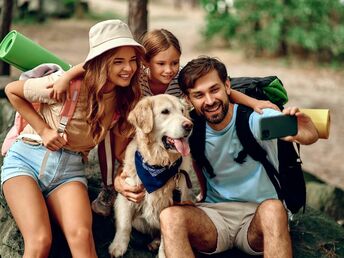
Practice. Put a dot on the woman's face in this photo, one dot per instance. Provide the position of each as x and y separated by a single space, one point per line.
164 66
123 66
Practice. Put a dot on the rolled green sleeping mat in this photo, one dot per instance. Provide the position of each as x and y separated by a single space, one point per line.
25 54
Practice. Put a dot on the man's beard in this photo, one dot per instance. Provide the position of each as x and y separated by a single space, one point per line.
216 118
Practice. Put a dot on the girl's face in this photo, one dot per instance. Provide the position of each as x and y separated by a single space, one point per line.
164 66
123 66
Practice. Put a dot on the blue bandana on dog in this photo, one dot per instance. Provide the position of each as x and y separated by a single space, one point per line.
154 177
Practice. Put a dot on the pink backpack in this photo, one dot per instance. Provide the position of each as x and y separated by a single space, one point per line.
66 113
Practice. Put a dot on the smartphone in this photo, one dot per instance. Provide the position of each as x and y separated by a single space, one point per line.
277 126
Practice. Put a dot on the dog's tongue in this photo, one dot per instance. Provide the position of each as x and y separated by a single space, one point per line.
182 146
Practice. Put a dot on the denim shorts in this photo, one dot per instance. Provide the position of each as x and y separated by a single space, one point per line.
62 166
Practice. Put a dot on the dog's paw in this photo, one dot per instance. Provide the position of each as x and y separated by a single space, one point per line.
117 249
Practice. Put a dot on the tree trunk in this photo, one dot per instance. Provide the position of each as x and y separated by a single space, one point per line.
5 25
138 17
40 11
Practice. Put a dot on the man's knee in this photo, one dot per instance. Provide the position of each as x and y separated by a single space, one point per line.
272 212
172 217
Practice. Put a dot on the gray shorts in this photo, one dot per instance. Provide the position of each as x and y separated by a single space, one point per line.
231 220
25 159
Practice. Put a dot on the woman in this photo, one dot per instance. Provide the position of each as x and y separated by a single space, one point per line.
109 89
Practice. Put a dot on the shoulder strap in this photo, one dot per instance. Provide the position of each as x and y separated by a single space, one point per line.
69 105
66 114
253 148
197 143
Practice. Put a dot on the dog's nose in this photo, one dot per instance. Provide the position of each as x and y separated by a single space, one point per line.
187 125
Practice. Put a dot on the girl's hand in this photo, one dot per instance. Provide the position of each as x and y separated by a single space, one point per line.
132 193
52 140
259 105
60 89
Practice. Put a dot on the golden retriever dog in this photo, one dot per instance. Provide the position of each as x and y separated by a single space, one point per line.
156 157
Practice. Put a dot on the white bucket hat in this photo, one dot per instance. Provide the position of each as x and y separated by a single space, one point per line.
110 34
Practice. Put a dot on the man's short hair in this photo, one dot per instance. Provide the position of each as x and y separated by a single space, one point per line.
197 68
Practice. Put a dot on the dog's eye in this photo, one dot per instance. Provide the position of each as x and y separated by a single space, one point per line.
165 111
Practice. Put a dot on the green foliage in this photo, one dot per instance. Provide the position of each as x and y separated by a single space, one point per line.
308 27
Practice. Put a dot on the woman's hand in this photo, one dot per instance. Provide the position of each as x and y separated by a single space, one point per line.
259 105
52 140
134 193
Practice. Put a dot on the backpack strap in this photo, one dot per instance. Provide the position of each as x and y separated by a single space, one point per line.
69 105
253 148
66 114
197 143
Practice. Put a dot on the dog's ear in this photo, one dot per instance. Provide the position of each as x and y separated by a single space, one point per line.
187 105
142 115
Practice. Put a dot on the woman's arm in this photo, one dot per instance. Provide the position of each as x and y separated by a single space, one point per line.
61 86
15 93
255 104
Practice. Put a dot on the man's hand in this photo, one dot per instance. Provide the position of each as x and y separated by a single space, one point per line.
131 192
306 130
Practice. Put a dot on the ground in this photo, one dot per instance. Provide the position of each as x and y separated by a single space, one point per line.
308 85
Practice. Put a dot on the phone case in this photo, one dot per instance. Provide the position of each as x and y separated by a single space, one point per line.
277 126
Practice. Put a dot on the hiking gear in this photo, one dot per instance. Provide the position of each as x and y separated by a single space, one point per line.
288 180
108 35
66 111
103 204
263 88
14 50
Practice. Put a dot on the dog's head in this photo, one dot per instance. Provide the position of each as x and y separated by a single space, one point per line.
164 120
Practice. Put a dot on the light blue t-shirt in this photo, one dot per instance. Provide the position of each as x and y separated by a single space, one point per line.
247 182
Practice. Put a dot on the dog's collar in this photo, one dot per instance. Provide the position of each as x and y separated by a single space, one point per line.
154 177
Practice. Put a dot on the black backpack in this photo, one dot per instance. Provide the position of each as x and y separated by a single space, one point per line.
288 180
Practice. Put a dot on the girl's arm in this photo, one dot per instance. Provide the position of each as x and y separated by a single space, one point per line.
255 104
51 139
60 87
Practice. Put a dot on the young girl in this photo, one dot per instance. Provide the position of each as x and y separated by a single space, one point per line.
159 75
109 86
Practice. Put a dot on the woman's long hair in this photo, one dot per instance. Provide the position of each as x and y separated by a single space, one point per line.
96 77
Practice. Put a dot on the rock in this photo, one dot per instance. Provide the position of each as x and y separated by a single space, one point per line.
326 198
